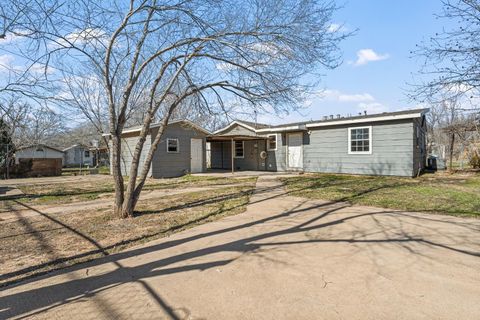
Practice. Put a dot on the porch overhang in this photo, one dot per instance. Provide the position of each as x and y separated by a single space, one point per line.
234 137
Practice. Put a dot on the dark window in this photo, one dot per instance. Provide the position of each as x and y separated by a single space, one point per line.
238 149
172 145
87 154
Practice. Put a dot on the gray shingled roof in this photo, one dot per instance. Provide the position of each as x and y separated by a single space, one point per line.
255 125
366 117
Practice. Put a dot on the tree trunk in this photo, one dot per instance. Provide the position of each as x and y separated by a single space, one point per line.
117 177
452 145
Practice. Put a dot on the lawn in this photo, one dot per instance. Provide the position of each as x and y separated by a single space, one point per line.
33 245
94 187
453 194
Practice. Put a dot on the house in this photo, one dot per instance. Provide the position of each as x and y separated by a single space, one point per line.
181 150
78 155
38 151
392 143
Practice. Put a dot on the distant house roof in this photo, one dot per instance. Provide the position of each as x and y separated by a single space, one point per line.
41 145
75 146
159 124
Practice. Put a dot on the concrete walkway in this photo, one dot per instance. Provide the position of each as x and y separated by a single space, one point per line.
284 258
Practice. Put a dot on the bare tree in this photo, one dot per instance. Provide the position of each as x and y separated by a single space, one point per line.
452 56
160 55
30 124
451 75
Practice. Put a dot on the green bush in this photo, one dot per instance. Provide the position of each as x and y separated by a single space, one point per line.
475 160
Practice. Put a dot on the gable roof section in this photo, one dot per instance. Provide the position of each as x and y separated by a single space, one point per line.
159 124
252 126
39 145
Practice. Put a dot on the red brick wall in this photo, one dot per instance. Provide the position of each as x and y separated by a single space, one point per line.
44 167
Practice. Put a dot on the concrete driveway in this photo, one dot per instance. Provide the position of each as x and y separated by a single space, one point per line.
285 258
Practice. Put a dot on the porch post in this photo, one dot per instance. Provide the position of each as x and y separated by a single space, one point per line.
233 153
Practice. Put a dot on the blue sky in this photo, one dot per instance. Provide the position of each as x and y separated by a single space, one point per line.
377 64
388 31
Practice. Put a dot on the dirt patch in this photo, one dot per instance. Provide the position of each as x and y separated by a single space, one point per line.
35 244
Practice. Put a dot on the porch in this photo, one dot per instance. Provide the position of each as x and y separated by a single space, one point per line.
238 153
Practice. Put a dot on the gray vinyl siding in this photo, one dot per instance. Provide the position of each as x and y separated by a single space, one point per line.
166 165
32 153
276 160
222 157
128 149
75 156
326 150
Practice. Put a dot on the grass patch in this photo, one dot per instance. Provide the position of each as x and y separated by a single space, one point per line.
457 194
98 186
35 245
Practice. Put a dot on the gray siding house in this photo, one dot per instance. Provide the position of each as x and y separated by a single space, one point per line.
181 150
380 144
78 155
38 151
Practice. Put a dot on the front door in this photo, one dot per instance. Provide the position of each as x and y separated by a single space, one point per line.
294 150
196 155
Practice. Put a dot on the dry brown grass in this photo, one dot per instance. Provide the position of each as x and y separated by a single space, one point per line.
102 186
34 245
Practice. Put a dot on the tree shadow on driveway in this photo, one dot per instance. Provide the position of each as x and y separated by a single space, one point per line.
309 217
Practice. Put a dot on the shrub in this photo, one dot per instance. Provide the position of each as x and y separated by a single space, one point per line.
475 160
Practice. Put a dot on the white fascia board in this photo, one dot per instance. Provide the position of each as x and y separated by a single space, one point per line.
281 129
363 120
232 124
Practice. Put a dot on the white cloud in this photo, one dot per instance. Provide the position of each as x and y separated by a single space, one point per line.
92 36
38 68
365 56
335 27
355 97
337 95
371 108
225 67
6 62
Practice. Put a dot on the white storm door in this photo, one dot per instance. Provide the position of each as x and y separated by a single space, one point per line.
294 151
196 155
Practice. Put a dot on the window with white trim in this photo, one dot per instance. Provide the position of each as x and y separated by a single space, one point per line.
272 142
87 153
172 145
239 149
360 140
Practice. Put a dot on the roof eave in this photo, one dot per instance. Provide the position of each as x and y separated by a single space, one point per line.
284 129
363 120
232 124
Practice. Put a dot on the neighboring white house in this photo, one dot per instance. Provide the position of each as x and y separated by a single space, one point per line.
38 151
77 155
